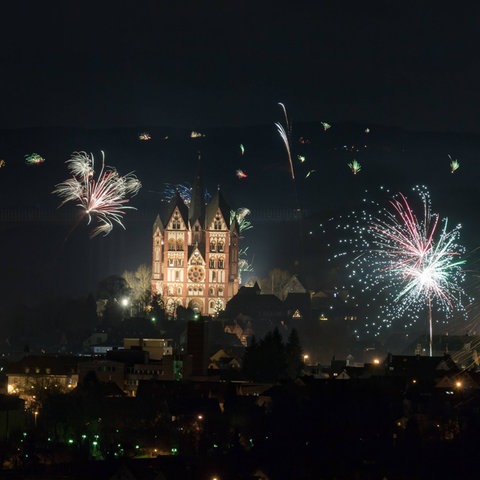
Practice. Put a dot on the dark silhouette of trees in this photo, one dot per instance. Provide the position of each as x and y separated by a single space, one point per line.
271 359
293 355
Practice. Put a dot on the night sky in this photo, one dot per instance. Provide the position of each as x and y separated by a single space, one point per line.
222 68
194 64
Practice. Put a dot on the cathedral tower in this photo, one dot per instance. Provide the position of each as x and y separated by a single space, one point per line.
195 252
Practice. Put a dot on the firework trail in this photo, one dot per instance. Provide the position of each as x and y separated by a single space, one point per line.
285 134
103 198
411 262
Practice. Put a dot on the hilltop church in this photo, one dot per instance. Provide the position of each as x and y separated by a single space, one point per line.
195 252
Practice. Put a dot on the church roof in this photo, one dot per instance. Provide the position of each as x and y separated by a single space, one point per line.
201 249
176 202
217 202
158 224
197 202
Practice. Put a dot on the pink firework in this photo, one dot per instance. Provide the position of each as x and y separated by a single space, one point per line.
412 261
104 197
241 174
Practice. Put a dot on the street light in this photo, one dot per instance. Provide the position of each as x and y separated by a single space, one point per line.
125 303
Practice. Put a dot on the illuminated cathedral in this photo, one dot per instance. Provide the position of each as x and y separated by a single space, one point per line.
195 252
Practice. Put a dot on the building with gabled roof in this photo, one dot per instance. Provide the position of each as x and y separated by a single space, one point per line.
195 252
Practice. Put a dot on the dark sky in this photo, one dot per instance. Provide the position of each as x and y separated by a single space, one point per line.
203 64
216 63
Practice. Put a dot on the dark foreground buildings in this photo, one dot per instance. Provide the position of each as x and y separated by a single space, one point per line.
408 417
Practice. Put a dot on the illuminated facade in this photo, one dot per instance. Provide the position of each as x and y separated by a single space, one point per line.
34 374
195 253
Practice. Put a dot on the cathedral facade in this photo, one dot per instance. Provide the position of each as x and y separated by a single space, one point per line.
195 253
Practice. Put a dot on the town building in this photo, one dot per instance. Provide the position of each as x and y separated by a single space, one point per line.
35 373
195 252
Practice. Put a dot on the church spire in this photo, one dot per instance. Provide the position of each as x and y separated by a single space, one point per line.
197 203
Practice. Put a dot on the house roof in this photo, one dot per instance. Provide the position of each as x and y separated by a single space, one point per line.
44 365
300 301
419 366
253 305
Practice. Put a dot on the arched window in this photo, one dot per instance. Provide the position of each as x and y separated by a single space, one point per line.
220 263
176 221
179 244
217 222
211 263
221 245
213 246
171 244
211 291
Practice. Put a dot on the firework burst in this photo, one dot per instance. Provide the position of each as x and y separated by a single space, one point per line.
355 167
184 190
104 198
34 159
413 263
454 164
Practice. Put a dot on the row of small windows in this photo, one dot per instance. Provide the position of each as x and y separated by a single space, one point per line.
177 223
195 291
146 371
213 263
37 370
